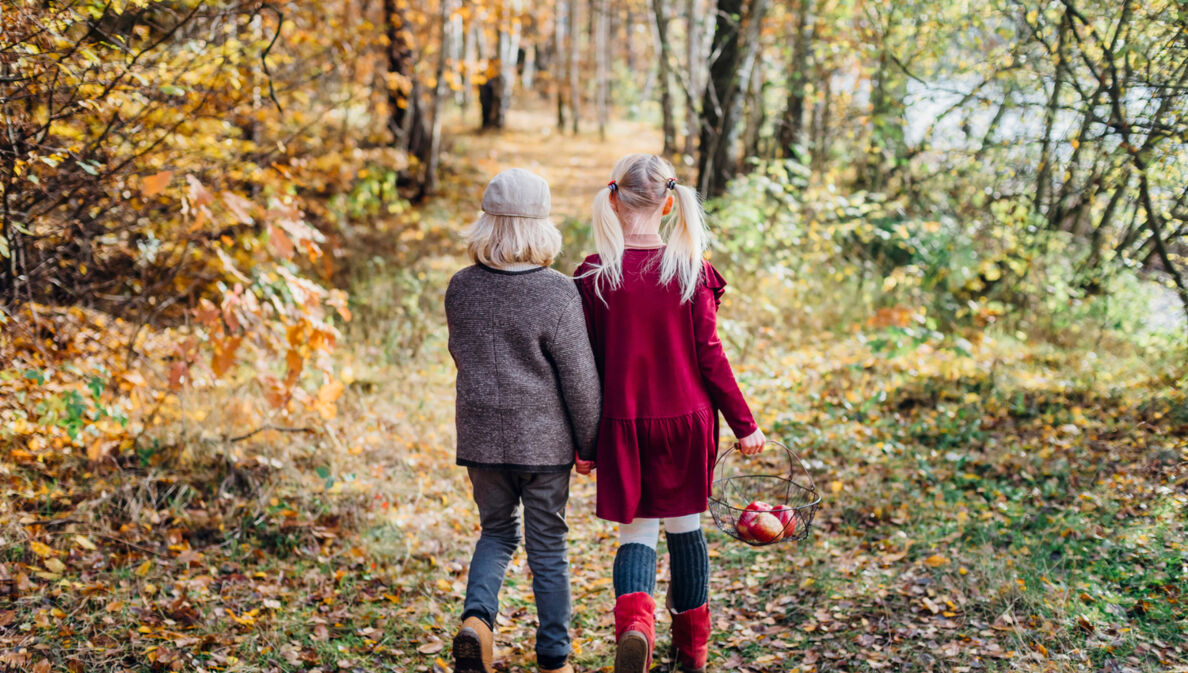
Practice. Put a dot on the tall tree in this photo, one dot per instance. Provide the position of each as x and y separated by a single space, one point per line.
736 39
429 183
469 57
885 145
693 59
756 115
792 124
406 116
510 33
602 59
574 61
1043 179
660 19
560 55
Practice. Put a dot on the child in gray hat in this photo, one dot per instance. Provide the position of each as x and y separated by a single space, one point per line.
529 400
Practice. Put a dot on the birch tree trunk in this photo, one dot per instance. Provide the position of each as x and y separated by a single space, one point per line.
602 63
575 93
429 184
469 58
693 92
558 70
510 30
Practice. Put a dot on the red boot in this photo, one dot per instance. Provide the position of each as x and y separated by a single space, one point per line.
690 637
635 632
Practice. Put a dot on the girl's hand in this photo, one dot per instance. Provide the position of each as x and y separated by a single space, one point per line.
752 443
583 466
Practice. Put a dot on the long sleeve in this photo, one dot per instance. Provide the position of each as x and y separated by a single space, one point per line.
585 288
570 351
715 368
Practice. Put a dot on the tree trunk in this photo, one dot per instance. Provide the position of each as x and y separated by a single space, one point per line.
693 91
406 119
429 184
469 59
886 135
509 53
792 125
722 103
756 115
660 19
491 94
1044 176
557 72
602 64
629 38
575 93
528 76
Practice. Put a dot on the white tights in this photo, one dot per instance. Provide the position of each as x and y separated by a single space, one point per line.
647 531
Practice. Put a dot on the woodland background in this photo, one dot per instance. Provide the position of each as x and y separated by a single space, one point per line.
956 234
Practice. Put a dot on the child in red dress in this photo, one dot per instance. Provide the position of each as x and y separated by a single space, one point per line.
651 310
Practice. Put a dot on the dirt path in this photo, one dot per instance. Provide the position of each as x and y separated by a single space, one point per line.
575 166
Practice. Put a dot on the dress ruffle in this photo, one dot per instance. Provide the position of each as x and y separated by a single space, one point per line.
656 467
715 282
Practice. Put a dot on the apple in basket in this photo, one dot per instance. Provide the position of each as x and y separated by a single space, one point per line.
787 517
758 524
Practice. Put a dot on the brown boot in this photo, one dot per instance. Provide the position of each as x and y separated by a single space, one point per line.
474 647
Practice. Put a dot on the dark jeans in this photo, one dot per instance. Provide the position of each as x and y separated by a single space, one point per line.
499 495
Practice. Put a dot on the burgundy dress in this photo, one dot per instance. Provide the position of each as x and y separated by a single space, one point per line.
664 379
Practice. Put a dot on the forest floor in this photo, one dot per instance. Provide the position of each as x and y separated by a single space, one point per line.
1002 506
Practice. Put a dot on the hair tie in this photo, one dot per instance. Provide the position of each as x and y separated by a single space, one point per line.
612 186
671 184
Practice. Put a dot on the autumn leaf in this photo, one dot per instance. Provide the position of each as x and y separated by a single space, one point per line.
224 355
279 242
431 647
199 196
154 184
239 206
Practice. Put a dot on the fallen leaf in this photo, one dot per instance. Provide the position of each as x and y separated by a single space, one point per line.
431 647
936 561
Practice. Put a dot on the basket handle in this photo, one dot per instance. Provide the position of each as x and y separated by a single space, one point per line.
793 460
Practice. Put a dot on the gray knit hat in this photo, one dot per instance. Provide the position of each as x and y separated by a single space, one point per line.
517 193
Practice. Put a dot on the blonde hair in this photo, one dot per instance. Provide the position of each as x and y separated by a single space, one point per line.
501 240
641 185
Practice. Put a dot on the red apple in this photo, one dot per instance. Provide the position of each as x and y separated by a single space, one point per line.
758 524
788 518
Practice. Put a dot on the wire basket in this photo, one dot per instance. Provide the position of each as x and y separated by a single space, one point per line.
763 509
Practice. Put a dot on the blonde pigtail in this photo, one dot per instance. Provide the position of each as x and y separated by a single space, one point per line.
608 241
687 240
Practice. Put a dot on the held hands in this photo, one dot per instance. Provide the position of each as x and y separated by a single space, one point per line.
752 443
583 466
